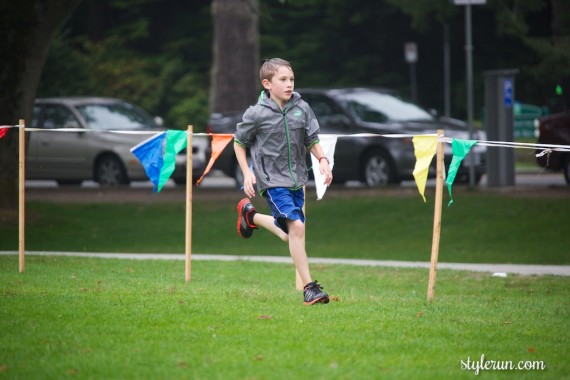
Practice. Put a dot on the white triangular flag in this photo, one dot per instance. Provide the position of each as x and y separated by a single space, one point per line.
328 143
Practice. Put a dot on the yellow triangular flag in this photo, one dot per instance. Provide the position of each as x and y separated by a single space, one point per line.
424 149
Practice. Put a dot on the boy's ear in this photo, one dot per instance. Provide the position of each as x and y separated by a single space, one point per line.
266 84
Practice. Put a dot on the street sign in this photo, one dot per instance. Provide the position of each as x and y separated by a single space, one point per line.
508 92
411 52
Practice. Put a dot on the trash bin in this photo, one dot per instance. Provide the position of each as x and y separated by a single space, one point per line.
499 123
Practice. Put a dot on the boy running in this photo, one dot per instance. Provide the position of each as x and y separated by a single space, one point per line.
278 130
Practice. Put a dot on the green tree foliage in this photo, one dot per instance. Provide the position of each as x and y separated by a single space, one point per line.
152 53
158 54
530 35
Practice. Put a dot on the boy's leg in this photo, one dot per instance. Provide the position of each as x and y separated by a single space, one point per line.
297 249
249 219
312 291
268 222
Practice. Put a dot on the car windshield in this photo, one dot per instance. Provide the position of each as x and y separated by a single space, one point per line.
115 116
377 107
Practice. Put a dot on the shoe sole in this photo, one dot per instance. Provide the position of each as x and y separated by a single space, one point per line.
318 300
239 208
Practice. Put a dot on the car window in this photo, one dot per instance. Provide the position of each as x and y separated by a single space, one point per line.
322 106
371 106
57 116
115 116
36 116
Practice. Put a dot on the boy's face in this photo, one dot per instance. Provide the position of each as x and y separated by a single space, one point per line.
281 85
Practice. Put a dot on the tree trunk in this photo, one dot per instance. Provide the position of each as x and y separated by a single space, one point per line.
234 77
26 30
560 17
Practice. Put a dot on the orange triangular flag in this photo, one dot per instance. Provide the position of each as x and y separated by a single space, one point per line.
219 143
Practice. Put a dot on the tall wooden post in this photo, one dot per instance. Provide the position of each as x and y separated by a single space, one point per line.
189 184
22 195
436 218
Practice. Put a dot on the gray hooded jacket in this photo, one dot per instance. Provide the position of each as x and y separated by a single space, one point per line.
278 141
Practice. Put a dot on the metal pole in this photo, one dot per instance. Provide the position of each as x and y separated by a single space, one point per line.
413 84
469 64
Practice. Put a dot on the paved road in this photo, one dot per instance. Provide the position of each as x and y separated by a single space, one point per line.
216 179
496 269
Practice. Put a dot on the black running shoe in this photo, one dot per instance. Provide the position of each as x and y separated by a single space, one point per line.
313 294
245 225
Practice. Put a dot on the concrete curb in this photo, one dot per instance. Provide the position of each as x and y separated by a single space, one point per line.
523 269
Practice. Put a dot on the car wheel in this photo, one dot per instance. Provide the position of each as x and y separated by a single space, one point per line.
567 170
377 170
109 171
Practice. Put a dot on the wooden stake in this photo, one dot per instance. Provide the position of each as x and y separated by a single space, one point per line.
436 218
22 195
189 184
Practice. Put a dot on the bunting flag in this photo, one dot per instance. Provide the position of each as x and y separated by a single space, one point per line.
328 143
3 131
459 149
219 143
157 155
424 149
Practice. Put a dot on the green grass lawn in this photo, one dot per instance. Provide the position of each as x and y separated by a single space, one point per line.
479 227
88 318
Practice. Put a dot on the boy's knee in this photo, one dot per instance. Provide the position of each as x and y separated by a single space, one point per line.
296 227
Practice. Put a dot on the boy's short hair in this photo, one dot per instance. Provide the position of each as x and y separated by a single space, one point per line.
270 67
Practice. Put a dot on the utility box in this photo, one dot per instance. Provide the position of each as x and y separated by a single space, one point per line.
499 124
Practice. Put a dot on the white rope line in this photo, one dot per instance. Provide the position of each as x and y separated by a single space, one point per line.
510 144
546 148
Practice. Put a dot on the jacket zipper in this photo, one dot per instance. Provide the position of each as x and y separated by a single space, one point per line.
289 148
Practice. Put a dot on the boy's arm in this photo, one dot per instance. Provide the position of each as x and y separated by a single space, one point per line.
324 166
248 176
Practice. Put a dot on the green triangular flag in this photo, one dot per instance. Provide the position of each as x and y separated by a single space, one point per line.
459 149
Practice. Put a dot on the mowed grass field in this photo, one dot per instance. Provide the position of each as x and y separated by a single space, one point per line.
395 224
91 318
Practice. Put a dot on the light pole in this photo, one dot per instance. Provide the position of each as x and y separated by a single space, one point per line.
411 56
469 73
469 66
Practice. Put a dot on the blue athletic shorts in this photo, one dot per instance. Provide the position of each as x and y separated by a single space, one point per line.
285 204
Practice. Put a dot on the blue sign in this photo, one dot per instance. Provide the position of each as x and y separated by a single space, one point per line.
508 92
